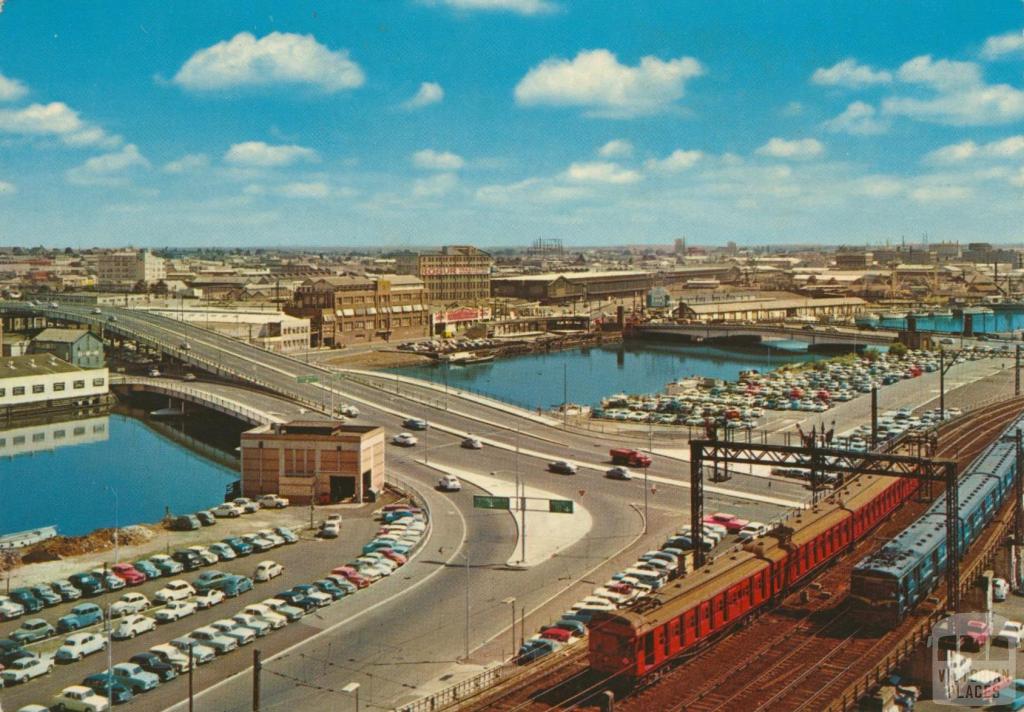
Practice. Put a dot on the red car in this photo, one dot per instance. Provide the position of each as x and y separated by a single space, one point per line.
731 522
351 575
559 634
129 574
393 555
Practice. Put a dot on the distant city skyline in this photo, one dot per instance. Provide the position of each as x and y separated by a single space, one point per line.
418 123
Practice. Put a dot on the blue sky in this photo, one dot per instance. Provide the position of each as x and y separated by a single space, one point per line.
495 122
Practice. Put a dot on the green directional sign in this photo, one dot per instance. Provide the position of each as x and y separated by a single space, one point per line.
560 506
307 379
485 502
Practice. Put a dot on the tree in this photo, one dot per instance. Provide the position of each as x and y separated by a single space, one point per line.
898 349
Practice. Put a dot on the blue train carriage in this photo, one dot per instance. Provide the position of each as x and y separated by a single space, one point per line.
887 585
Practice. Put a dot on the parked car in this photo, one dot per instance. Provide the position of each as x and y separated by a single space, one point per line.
175 610
32 630
27 668
1000 589
101 684
78 645
298 600
188 559
128 573
81 616
267 614
214 639
535 648
79 698
307 589
45 594
206 517
563 467
266 570
89 584
1010 635
231 629
132 626
205 554
753 530
176 590
247 505
201 654
329 530
258 626
271 536
166 564
186 523
330 588
170 655
258 543
10 651
287 534
209 598
449 483
405 440
223 551
151 662
134 677
239 545
147 567
9 610
228 510
273 501
230 585
129 603
64 589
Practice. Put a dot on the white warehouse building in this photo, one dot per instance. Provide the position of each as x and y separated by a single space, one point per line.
41 381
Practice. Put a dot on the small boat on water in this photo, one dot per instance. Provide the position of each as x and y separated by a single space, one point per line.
943 313
893 315
978 310
17 540
467 358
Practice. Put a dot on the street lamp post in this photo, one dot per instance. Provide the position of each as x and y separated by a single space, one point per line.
512 602
117 545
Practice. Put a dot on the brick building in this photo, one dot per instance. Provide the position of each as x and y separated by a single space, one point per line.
355 309
455 274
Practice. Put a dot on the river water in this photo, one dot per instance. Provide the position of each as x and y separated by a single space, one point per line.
67 473
588 375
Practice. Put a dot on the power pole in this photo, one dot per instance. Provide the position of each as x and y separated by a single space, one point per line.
191 667
874 416
1016 372
257 666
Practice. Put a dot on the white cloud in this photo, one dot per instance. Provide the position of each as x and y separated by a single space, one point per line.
600 172
11 89
428 93
878 186
859 119
7 188
187 163
1010 147
55 119
1000 46
797 149
522 7
616 148
108 168
597 81
849 73
793 108
676 161
263 155
432 160
531 190
435 186
940 193
278 58
1018 179
943 74
972 106
304 190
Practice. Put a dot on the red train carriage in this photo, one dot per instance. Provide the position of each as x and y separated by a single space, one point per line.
692 610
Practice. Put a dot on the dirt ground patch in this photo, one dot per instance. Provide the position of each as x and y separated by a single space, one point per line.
379 359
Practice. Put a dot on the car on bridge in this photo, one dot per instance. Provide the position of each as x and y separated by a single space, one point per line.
563 467
415 424
405 440
449 483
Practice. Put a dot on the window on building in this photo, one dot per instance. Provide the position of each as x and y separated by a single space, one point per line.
39 388
18 391
59 386
78 384
98 381
3 392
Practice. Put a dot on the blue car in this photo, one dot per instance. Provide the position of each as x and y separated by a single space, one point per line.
149 568
239 545
1010 697
533 649
118 690
82 615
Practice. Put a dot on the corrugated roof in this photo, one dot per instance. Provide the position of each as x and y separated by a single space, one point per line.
34 365
768 304
64 336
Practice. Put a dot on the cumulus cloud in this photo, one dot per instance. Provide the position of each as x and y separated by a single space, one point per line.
108 168
187 163
940 193
600 172
428 93
850 73
878 186
432 160
11 89
796 149
678 160
1000 46
55 119
597 81
434 186
258 154
297 189
7 188
531 190
277 58
1010 147
859 119
942 74
616 148
521 7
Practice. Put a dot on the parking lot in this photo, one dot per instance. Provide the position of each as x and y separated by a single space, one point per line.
305 561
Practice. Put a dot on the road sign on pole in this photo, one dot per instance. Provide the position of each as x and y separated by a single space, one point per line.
307 379
560 506
486 502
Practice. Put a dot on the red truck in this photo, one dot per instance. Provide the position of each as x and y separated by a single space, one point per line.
630 457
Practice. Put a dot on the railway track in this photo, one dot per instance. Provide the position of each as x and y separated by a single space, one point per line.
781 659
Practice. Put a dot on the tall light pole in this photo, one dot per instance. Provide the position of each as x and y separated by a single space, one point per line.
117 544
512 601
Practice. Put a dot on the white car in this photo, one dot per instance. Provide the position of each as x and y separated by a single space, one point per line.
79 698
449 483
753 530
1011 634
232 629
405 439
273 501
266 570
248 506
349 411
10 609
129 603
265 613
171 655
329 530
209 598
228 510
472 443
175 610
205 554
176 590
272 536
132 626
24 669
257 625
79 645
385 565
166 564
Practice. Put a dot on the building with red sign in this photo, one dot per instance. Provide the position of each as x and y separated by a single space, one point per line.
455 274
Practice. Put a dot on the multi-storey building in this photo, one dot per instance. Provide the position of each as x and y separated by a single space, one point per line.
126 268
44 382
355 309
455 274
